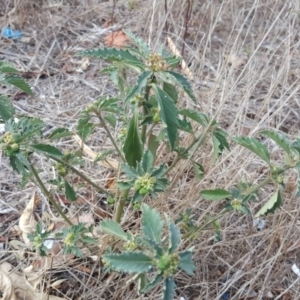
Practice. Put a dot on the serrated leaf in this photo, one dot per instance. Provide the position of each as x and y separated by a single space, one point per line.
219 143
133 146
129 262
88 240
217 194
185 125
20 163
152 224
113 228
196 116
129 171
140 85
69 191
20 83
46 149
169 289
174 237
279 138
158 278
184 83
84 127
220 135
168 114
171 91
112 54
6 67
158 172
198 170
186 262
152 144
111 120
147 161
255 146
140 43
173 61
272 204
108 105
7 109
60 133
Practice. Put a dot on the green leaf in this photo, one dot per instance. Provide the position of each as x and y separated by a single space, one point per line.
198 170
112 54
184 83
158 278
186 262
219 143
129 262
60 133
6 67
172 61
196 116
168 114
174 237
255 146
133 146
7 109
169 289
123 185
20 83
70 193
153 144
88 240
221 135
108 105
20 163
113 228
140 85
272 204
111 119
171 91
216 194
129 171
185 125
84 127
46 149
147 161
140 43
152 224
279 138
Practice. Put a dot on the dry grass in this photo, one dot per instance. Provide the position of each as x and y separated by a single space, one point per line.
245 58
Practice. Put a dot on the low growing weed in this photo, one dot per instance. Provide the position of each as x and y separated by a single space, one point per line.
151 116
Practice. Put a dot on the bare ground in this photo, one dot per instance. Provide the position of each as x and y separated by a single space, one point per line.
245 59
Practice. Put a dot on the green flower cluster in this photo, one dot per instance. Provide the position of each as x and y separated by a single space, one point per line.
9 142
144 184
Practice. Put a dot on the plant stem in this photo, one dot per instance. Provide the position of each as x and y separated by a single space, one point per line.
200 228
120 206
48 195
261 184
110 136
97 187
147 94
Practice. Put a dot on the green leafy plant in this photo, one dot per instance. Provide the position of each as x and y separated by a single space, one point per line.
141 121
151 255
